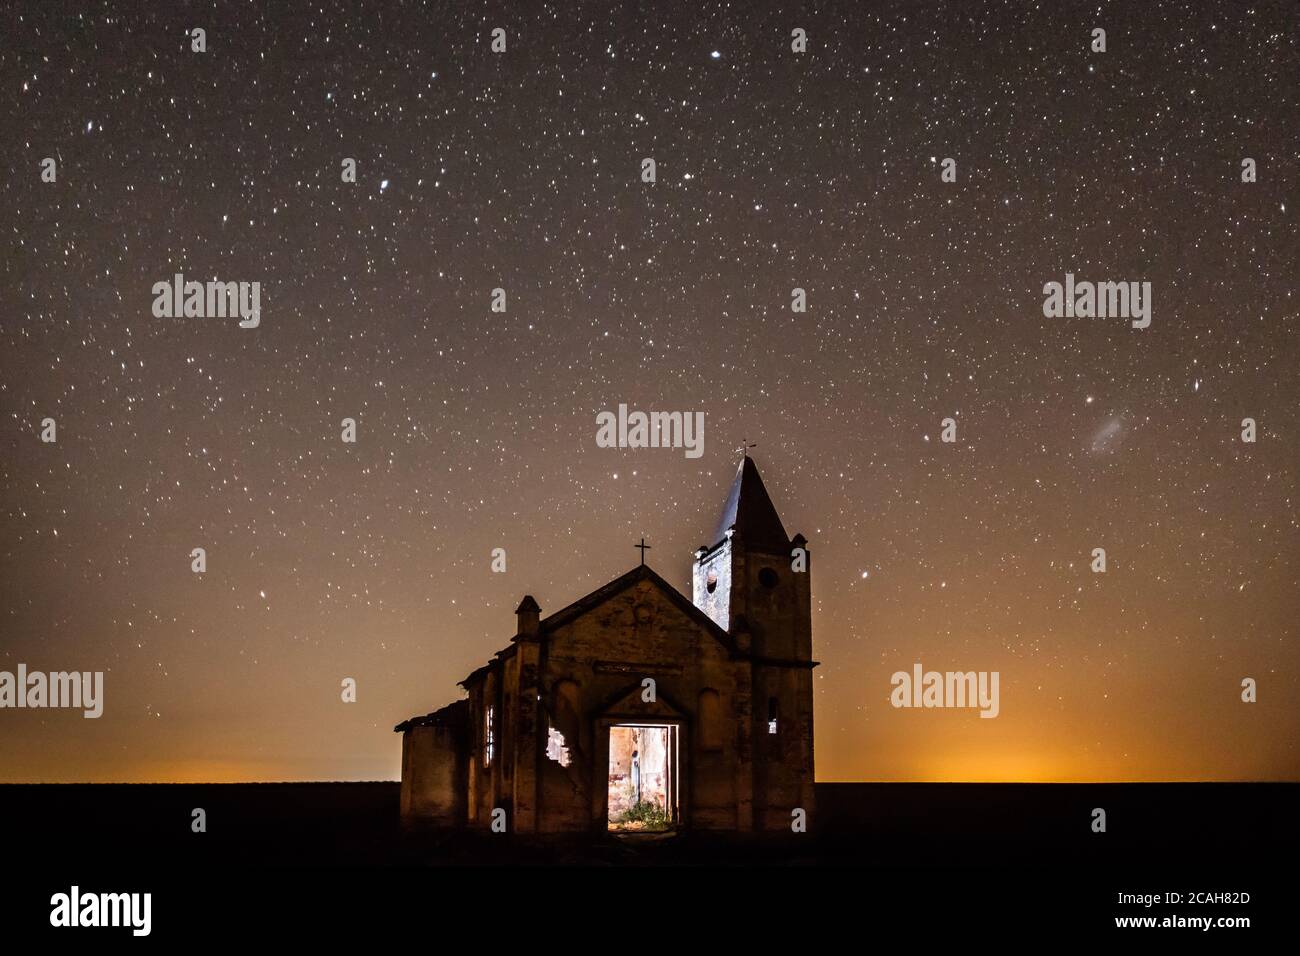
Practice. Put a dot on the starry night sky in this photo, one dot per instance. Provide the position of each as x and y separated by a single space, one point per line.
476 429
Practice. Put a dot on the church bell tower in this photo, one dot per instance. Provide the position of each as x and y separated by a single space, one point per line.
752 579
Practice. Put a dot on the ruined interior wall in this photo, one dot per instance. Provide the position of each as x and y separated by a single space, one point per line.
651 747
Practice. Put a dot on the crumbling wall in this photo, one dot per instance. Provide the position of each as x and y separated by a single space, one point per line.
434 778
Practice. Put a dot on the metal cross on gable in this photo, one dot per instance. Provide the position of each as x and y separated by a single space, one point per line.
643 548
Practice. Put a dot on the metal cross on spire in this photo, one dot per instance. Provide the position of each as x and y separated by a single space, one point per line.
745 446
643 547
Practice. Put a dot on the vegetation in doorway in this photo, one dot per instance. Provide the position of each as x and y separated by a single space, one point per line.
643 816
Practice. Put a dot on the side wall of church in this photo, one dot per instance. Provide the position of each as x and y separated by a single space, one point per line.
433 776
483 751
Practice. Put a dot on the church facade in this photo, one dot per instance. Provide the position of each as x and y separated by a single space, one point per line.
636 703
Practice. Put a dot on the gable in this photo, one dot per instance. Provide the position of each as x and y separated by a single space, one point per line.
637 622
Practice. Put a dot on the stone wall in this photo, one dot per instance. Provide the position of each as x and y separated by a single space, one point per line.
600 660
433 776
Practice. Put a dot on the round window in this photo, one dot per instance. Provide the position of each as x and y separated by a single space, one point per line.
767 577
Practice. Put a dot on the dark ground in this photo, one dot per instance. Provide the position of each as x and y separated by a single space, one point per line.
918 862
866 825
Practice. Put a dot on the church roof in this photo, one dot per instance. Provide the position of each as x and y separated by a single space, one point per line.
453 715
750 511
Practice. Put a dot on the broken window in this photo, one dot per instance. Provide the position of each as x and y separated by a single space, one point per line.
555 748
489 736
771 715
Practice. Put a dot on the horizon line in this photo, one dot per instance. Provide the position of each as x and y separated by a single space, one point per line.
964 783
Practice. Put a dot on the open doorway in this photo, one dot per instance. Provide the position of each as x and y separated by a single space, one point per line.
643 786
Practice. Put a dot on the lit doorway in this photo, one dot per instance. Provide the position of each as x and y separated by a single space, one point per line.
643 788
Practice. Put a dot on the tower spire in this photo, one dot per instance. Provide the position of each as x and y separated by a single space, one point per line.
750 511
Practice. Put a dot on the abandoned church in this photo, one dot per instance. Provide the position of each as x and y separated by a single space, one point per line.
637 704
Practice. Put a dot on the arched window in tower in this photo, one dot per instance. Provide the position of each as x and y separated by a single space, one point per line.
772 714
711 582
710 720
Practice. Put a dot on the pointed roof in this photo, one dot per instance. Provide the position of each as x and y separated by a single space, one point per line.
750 511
